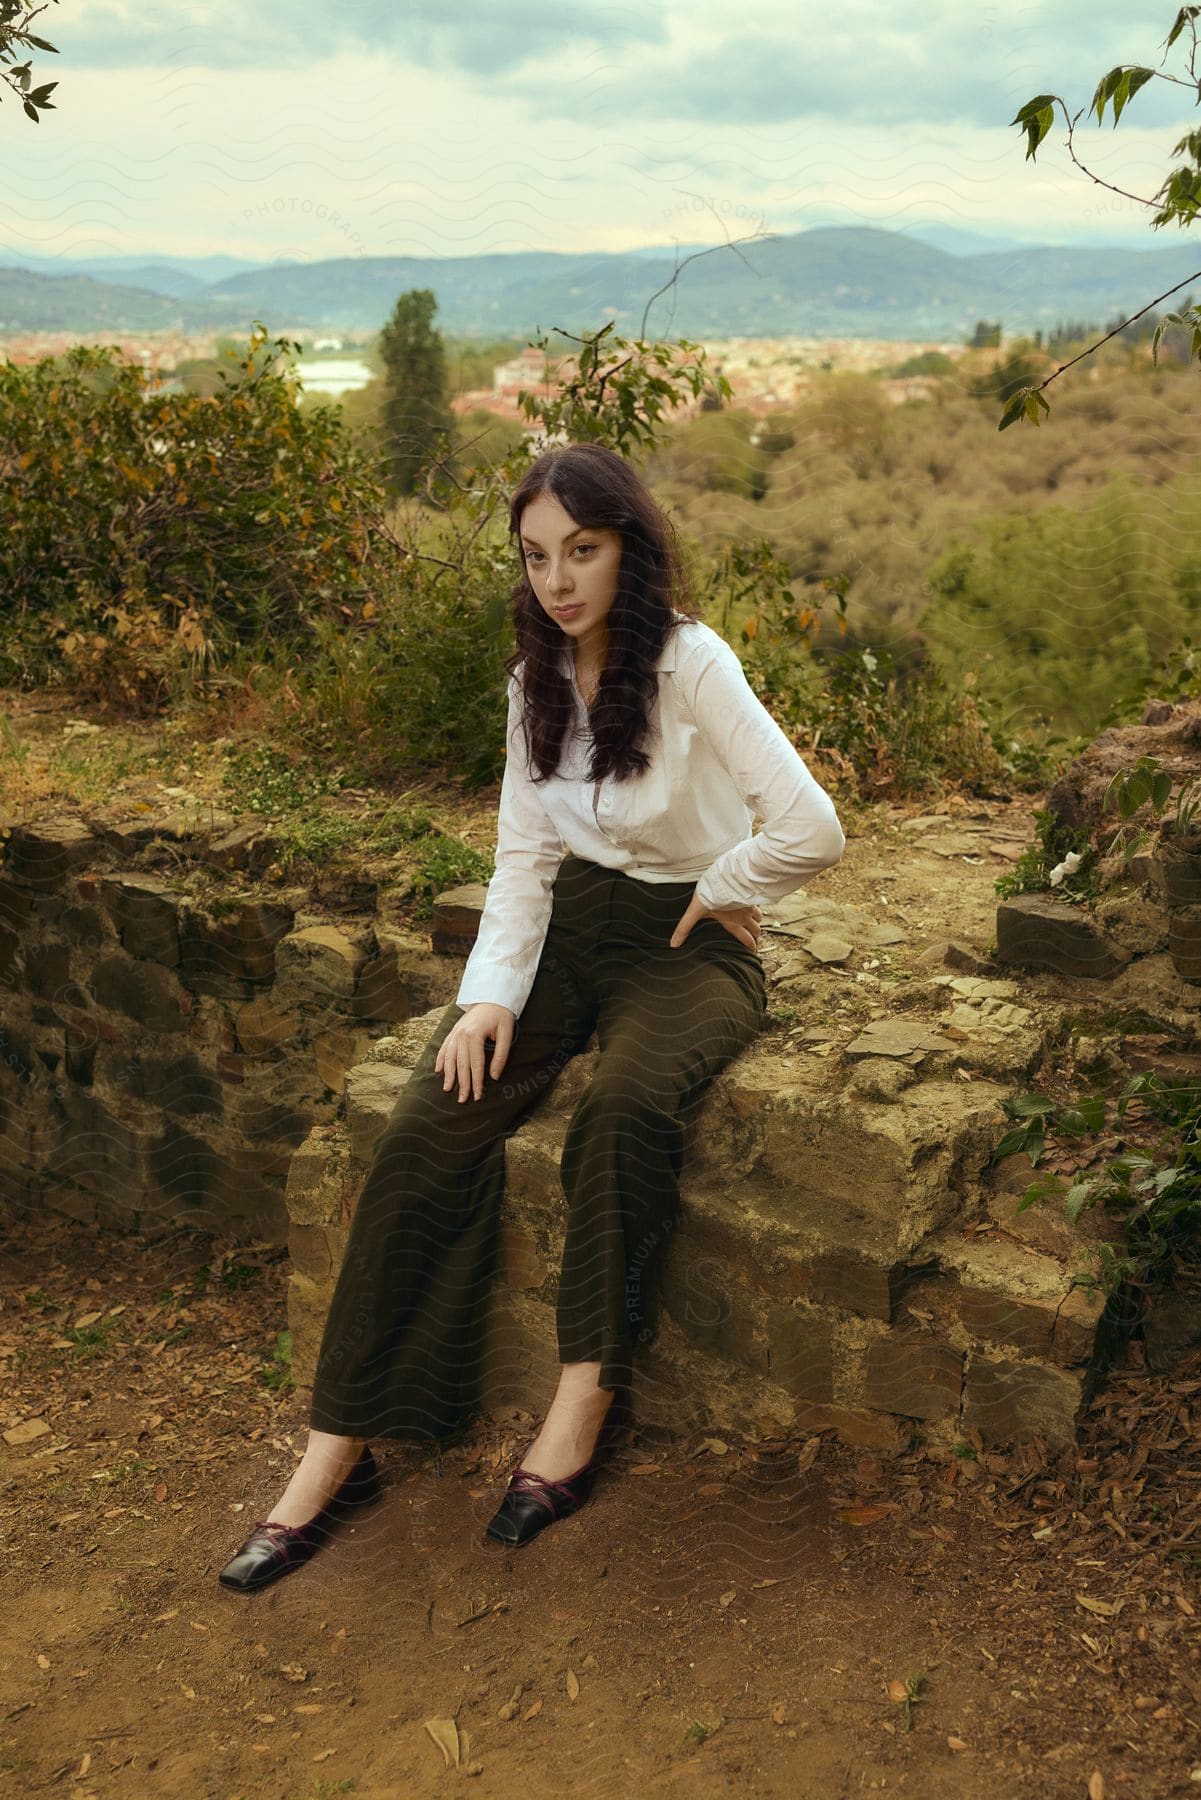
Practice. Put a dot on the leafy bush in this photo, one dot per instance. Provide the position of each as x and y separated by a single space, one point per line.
144 534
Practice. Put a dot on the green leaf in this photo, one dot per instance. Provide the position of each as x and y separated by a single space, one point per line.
1015 409
1183 17
1036 119
1076 1199
1029 1106
1118 88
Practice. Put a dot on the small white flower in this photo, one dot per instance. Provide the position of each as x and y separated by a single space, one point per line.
1068 866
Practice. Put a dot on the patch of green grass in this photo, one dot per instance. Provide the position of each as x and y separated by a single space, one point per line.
701 1729
93 1340
236 1275
259 778
277 1374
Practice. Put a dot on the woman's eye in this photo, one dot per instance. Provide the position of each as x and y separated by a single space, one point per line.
585 546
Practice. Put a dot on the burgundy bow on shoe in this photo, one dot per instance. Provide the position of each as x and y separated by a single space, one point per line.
273 1549
532 1501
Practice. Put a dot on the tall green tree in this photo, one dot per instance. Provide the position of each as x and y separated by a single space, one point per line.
417 416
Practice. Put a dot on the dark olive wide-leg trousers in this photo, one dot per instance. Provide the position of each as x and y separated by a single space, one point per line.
401 1350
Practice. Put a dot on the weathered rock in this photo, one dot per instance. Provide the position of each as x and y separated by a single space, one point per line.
1180 875
1007 1402
914 1374
1076 798
1133 922
456 918
44 856
232 957
881 1078
1184 941
145 991
950 953
317 964
250 847
1011 1295
897 1037
1036 931
263 1027
145 909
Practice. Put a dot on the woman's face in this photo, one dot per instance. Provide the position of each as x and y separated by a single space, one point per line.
573 571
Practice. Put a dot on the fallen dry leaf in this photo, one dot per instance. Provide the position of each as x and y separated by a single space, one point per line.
956 1743
717 1445
1096 1785
807 1454
43 1662
645 1469
573 1685
896 1691
445 1734
862 1515
1104 1609
531 1712
725 1599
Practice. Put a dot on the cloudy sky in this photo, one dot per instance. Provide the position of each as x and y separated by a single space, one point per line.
267 129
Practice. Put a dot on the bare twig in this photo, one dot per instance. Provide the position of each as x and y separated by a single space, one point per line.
730 244
1117 329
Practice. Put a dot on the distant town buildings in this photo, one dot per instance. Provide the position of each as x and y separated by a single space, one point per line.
766 374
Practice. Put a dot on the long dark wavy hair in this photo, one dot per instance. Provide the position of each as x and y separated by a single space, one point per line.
599 489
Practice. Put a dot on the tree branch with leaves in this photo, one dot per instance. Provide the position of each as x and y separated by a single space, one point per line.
1177 199
16 16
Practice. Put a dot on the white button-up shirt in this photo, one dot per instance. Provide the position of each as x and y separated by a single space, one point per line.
716 753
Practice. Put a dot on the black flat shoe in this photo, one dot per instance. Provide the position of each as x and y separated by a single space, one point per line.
532 1502
273 1550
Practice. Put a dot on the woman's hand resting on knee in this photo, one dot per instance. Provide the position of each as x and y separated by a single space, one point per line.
462 1052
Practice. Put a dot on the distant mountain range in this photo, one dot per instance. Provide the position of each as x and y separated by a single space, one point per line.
830 281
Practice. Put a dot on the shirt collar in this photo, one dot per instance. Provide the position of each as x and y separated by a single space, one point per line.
666 662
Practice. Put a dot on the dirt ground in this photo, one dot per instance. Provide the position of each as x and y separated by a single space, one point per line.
796 1618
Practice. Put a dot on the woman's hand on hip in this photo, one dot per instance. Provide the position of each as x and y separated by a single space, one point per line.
463 1053
743 922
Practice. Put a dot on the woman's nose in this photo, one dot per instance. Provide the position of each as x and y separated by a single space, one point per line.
558 581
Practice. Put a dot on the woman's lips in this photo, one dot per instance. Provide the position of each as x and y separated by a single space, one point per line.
565 612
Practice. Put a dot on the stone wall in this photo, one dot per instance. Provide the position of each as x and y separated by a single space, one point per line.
181 1043
843 1260
168 1035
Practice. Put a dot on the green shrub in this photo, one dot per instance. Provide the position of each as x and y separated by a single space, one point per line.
143 535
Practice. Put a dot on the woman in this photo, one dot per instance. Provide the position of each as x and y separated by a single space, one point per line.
634 735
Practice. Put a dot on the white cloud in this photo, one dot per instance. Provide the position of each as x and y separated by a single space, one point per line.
465 130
